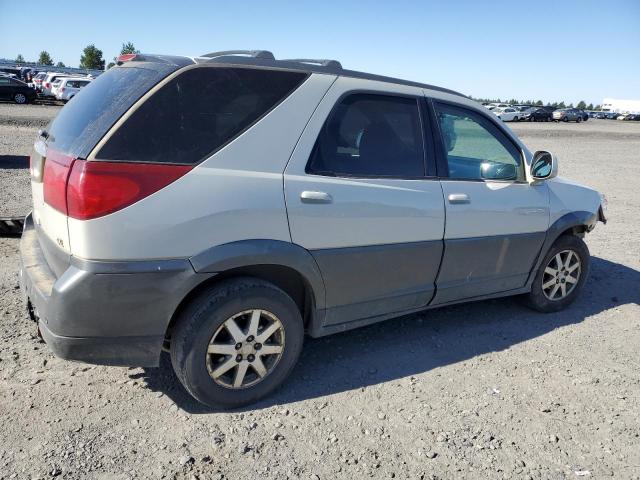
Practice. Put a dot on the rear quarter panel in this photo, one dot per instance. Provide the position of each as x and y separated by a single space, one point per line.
236 194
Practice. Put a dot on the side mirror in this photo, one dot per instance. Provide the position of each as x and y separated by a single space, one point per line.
498 171
544 166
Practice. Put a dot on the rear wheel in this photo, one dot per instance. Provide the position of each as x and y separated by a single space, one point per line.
565 119
20 98
561 275
579 119
236 342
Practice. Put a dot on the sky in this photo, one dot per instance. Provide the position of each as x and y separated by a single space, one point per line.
550 50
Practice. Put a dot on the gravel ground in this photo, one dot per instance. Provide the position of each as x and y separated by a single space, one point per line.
484 390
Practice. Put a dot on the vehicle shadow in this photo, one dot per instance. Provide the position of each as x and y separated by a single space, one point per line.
417 343
14 162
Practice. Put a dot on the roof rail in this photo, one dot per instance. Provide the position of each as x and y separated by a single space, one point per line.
264 54
334 64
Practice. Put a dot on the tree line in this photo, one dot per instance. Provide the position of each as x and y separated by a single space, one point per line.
90 59
582 105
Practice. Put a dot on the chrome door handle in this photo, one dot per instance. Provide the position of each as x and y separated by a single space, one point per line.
315 197
459 198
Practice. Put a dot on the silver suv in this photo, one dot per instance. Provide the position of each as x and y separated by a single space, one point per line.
220 207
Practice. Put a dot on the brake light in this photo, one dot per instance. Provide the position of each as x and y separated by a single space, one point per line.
126 57
97 188
56 172
47 85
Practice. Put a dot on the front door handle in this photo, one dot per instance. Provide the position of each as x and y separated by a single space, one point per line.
459 198
315 197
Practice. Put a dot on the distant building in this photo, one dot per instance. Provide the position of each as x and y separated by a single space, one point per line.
620 106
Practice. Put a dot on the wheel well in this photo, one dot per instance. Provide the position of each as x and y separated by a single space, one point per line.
285 278
577 230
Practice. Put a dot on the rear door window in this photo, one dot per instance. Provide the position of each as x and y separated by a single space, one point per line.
370 135
197 113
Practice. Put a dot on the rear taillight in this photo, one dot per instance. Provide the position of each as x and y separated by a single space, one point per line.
47 85
56 173
99 188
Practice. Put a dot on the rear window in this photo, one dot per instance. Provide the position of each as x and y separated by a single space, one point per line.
82 123
198 112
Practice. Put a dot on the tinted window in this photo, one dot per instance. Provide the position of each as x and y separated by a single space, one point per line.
82 123
198 112
475 147
370 135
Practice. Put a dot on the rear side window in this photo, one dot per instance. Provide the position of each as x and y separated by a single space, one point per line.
198 112
82 123
369 135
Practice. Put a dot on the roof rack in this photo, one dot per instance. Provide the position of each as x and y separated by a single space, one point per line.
333 64
264 54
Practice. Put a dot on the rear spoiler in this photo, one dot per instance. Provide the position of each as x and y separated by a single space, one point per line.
144 57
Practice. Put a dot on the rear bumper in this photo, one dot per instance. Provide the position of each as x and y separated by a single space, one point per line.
118 351
108 313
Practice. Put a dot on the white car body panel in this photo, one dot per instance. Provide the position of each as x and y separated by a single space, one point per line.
364 211
566 196
496 208
234 195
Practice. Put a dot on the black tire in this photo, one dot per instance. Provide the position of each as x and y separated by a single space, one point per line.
205 314
579 120
537 299
20 99
516 119
565 119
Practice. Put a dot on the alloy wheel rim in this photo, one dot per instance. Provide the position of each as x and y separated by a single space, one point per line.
20 98
245 349
561 275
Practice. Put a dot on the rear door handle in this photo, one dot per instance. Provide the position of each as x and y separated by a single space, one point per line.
315 197
459 198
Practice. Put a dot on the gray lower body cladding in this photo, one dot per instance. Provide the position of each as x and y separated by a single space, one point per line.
370 281
113 313
117 313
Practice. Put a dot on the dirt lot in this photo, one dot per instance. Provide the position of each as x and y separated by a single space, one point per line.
486 390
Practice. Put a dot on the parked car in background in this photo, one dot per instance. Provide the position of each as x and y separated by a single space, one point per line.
507 114
524 115
10 71
568 115
37 81
628 117
54 86
538 114
68 87
15 90
585 115
48 81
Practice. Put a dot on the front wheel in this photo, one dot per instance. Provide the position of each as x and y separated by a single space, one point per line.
579 119
236 342
20 98
561 275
